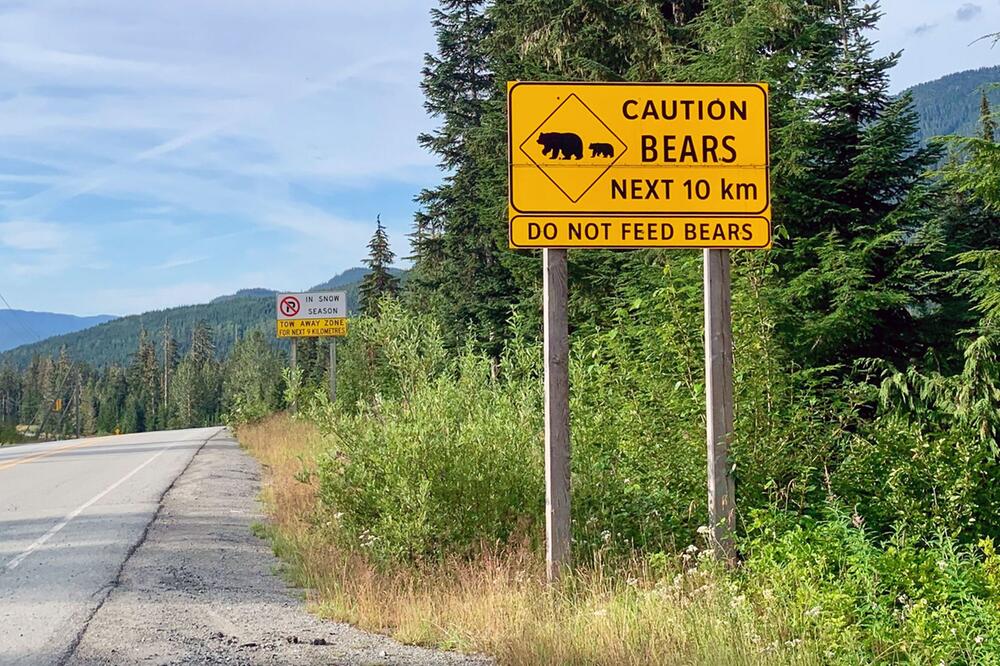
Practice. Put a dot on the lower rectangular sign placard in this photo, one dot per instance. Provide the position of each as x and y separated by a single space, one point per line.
312 328
612 232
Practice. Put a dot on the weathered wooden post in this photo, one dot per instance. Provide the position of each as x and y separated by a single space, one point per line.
719 403
557 442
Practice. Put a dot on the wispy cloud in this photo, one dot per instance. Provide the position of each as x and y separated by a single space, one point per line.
33 236
968 11
178 262
144 130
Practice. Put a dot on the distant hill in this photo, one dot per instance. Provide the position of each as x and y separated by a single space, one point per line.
115 341
19 327
230 317
950 105
350 281
349 276
244 293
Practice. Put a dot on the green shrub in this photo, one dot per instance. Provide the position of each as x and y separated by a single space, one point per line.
387 356
436 458
902 601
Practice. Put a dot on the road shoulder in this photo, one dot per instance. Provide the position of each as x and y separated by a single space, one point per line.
201 588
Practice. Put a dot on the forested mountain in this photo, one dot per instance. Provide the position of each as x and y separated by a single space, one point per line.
950 105
115 341
350 281
230 317
244 293
21 327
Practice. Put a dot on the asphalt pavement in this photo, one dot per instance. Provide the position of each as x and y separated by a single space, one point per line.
138 549
71 513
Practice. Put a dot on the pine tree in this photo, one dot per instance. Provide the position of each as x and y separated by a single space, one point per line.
10 395
459 242
144 382
197 385
455 85
112 394
252 381
849 202
379 282
170 361
987 123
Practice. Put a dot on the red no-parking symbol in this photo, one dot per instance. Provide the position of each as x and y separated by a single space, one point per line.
289 306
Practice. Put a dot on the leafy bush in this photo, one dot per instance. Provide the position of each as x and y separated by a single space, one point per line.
388 355
904 601
438 458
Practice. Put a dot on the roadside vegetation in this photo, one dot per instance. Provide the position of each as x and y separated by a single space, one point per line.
417 511
866 379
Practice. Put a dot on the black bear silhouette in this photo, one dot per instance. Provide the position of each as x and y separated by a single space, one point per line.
566 143
602 150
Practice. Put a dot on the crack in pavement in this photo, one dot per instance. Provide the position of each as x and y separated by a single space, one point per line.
106 590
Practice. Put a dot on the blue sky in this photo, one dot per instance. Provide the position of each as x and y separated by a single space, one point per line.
163 153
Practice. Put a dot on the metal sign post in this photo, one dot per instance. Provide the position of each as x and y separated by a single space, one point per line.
294 366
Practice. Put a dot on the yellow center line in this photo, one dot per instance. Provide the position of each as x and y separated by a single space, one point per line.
45 454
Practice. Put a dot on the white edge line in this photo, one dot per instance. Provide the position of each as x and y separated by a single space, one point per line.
10 566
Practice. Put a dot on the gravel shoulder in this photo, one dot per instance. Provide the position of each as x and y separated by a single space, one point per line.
201 589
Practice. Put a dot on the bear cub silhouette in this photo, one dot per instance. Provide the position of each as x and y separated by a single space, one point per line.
566 143
602 150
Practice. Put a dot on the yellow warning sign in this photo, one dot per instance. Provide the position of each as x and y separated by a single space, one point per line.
636 232
312 328
661 150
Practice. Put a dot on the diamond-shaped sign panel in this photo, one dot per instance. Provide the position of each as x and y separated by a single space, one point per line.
573 147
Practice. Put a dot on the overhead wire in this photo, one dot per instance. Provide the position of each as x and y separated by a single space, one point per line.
15 317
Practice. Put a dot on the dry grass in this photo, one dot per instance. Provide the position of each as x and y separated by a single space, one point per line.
499 604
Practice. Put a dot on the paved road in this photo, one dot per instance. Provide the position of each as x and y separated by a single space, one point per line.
71 513
137 550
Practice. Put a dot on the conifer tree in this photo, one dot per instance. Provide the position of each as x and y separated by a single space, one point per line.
143 387
987 123
455 84
196 393
170 361
379 282
252 379
849 202
459 242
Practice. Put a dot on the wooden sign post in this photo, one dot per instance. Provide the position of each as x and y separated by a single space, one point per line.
557 452
638 165
333 370
719 403
294 364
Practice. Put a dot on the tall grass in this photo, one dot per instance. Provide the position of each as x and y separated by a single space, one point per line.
497 602
415 508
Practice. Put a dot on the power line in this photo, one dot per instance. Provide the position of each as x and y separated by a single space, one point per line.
14 315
